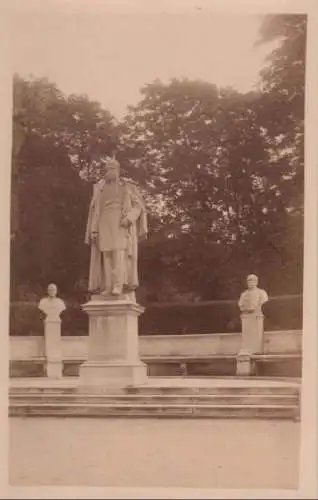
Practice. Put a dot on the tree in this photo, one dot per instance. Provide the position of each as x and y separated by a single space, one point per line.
282 113
283 94
224 172
55 139
221 171
203 156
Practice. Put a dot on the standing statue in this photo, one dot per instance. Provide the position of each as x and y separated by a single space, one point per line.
253 298
117 219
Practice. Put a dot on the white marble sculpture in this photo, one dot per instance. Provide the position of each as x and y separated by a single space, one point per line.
252 299
52 306
252 319
117 220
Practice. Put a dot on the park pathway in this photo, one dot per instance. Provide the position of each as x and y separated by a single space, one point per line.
154 453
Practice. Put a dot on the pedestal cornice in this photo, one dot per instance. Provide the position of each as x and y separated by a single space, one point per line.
100 307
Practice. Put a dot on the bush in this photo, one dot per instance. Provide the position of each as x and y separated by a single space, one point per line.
181 319
74 321
284 313
25 319
281 313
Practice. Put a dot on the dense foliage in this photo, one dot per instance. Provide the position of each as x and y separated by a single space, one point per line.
222 174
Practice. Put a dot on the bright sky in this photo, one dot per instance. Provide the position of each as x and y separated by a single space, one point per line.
110 56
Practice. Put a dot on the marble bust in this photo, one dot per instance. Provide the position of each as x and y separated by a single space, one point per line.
51 305
252 299
117 220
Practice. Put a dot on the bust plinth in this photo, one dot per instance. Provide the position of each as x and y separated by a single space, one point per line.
52 306
251 341
252 332
113 348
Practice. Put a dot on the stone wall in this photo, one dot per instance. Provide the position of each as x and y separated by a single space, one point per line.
277 342
27 354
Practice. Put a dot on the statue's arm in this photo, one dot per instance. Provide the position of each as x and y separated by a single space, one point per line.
41 305
264 297
136 205
241 301
62 305
92 222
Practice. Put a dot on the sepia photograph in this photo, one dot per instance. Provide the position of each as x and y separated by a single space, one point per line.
157 248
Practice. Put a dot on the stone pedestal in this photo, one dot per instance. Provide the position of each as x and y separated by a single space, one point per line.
252 332
113 348
53 347
52 306
244 365
251 342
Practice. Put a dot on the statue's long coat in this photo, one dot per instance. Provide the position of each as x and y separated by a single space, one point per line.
133 207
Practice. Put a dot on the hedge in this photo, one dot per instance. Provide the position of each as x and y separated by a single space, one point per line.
281 313
27 319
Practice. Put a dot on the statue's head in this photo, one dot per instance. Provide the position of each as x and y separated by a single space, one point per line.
112 169
52 290
252 281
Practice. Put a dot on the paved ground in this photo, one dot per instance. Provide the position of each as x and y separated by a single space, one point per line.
154 453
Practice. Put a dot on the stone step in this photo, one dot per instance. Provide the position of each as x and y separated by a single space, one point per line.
145 399
169 390
154 410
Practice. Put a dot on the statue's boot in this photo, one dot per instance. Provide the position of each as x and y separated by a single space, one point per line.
117 290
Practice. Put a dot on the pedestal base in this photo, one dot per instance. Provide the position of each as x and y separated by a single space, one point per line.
251 342
252 332
113 350
101 375
54 369
243 365
53 347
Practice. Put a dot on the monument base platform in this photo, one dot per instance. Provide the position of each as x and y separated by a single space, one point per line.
97 376
113 350
54 369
